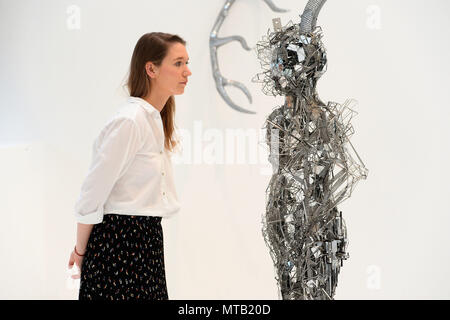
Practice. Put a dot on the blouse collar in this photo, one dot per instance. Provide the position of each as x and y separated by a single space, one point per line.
147 106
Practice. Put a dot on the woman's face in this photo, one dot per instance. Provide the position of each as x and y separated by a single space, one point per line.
172 75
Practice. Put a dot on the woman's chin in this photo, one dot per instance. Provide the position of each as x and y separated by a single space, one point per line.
178 92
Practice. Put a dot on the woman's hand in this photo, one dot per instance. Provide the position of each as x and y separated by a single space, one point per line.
78 260
83 234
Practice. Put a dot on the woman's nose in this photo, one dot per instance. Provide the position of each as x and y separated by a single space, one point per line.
187 72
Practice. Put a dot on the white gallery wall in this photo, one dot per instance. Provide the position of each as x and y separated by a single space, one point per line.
63 66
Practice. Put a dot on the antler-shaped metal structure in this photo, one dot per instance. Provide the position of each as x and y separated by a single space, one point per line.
215 42
314 171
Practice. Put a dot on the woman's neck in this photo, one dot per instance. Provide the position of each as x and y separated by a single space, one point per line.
157 99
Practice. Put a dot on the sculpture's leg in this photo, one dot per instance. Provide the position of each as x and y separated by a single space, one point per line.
273 232
333 251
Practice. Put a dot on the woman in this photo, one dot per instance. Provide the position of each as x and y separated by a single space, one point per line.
129 187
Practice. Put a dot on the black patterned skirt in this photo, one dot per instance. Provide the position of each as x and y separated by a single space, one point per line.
124 260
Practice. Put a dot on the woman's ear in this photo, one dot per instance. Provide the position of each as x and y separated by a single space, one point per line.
151 70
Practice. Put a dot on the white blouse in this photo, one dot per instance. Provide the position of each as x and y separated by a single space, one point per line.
131 171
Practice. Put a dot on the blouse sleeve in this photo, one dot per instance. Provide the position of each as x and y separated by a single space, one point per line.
117 144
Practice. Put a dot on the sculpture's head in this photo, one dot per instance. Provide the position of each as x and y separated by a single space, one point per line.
292 60
293 57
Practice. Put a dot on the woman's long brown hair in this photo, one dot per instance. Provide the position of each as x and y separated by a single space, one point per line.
153 47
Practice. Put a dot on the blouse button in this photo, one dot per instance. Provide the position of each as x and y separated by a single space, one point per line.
160 152
162 173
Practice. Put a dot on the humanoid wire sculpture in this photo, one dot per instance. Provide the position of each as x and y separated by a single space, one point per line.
313 170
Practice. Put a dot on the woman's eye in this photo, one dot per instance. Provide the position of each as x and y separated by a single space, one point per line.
179 63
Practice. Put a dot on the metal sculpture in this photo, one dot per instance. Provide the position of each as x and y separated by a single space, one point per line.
313 168
215 42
